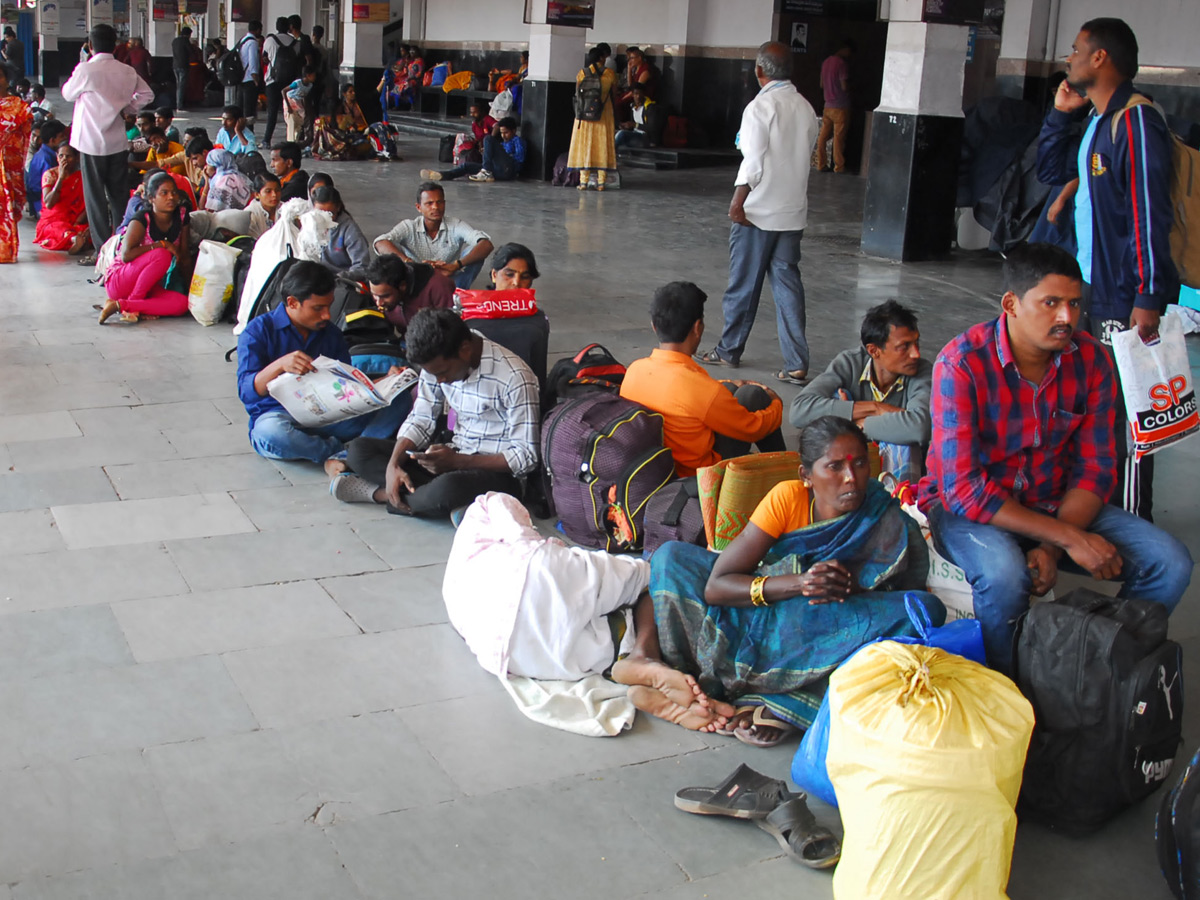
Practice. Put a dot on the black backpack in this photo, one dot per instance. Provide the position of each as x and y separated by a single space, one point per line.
674 514
251 164
446 148
1177 834
230 70
589 97
592 368
285 67
1107 690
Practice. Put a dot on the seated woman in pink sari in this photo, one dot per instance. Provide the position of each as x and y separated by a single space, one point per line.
153 269
63 225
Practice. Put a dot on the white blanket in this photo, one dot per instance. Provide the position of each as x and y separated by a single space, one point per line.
531 607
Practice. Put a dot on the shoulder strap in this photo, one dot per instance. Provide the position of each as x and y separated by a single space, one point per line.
1135 100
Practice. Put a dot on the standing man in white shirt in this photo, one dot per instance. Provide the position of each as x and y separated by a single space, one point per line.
769 212
249 50
102 89
276 78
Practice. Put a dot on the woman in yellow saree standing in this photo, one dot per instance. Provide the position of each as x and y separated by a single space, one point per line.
592 144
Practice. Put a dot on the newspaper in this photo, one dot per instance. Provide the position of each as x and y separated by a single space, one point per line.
336 391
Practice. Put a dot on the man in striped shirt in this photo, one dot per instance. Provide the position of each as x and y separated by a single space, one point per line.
494 396
1023 459
1123 213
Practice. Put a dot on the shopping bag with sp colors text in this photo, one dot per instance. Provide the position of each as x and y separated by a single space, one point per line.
1156 379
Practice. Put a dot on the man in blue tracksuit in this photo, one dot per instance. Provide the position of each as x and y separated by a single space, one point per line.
1123 212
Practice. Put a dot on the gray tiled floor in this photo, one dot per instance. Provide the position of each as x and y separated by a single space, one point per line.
216 682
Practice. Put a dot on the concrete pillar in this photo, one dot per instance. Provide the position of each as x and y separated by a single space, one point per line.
362 58
916 133
555 58
414 21
160 32
48 61
1027 44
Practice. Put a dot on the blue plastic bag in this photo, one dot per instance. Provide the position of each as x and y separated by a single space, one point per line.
440 73
963 637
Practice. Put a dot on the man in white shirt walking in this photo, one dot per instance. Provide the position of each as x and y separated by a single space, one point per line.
769 212
101 90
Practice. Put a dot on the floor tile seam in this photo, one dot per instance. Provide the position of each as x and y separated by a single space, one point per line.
345 612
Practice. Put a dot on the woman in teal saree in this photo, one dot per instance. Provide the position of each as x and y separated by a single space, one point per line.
820 570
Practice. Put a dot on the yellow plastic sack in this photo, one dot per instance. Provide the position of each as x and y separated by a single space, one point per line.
926 751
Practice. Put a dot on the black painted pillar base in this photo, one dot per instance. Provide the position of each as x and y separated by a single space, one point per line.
547 118
911 186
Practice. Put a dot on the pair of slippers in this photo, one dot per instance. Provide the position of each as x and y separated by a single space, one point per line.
747 794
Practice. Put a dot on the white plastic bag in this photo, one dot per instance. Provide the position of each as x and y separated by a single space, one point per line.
212 281
502 105
316 229
276 245
1156 380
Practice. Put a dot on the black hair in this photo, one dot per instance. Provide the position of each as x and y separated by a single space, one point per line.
282 23
319 178
155 131
199 145
506 253
39 90
308 70
165 111
345 89
428 186
8 31
435 334
819 434
294 21
413 48
195 132
508 122
879 321
103 38
318 32
288 150
328 194
232 110
637 50
604 48
185 30
1116 39
1027 264
51 129
261 181
525 54
387 269
149 174
254 25
638 86
593 57
306 279
675 309
145 114
156 181
22 84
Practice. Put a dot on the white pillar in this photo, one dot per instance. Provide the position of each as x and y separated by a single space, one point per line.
923 69
160 32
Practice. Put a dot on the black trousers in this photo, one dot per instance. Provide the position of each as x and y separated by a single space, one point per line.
752 398
274 108
105 192
180 88
247 99
435 495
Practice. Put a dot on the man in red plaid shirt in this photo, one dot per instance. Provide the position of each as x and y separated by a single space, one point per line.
1022 460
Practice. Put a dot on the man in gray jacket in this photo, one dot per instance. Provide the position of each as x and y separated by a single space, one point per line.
883 385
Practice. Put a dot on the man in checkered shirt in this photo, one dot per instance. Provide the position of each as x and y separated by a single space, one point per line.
494 396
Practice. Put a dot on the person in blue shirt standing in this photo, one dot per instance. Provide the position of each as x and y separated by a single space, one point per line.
503 156
288 339
1123 213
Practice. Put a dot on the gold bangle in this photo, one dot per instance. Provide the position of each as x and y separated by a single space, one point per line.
756 591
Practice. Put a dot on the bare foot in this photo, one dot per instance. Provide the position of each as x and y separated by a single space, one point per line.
694 717
678 687
334 467
111 308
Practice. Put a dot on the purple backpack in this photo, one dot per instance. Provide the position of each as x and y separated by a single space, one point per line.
606 460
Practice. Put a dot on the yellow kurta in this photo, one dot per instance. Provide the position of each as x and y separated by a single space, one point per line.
592 144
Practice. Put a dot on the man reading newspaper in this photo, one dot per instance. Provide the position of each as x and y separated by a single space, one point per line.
288 340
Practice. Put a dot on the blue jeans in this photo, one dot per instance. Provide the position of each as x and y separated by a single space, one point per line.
753 255
276 435
1155 566
465 277
630 139
495 160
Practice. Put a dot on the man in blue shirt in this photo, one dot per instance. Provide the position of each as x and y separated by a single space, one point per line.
503 156
54 135
235 135
288 339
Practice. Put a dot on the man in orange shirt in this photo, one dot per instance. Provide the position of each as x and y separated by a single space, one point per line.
705 420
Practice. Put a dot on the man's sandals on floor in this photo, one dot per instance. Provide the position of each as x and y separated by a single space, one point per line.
747 794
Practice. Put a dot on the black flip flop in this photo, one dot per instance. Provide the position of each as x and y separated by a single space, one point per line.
746 794
794 826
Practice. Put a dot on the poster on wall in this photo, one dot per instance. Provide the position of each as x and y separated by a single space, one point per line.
952 12
371 12
166 10
49 17
197 7
799 37
247 10
102 12
581 14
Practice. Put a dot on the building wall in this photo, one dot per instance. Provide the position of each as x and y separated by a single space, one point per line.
730 23
475 20
1166 29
